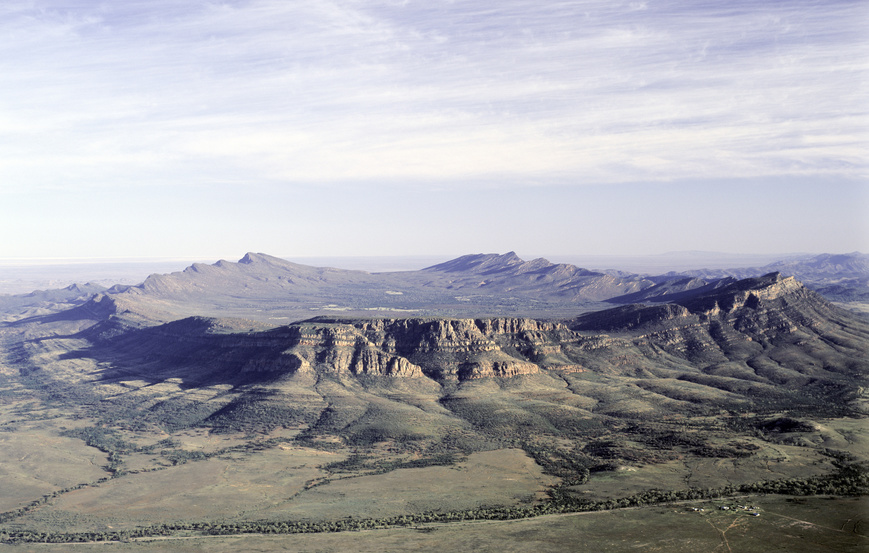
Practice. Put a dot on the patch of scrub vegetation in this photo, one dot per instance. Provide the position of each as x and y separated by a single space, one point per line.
360 463
849 480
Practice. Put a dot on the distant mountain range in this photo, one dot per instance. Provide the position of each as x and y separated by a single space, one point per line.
841 277
271 290
812 268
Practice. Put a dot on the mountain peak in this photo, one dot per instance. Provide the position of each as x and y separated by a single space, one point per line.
478 263
265 261
251 257
510 257
749 292
774 279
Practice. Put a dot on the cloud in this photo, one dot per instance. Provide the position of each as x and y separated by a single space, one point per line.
326 91
102 94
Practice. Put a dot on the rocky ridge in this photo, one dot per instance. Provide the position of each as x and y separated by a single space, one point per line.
268 288
840 277
742 322
764 343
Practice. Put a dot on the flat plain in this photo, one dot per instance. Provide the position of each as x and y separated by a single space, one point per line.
784 524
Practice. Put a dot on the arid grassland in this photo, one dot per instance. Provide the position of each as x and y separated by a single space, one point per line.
802 525
163 491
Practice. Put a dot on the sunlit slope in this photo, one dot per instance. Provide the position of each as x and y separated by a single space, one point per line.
274 290
760 345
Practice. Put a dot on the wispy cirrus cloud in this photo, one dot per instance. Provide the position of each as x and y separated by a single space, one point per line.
248 124
584 91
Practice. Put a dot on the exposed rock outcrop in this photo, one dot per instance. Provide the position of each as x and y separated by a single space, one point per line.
765 345
759 323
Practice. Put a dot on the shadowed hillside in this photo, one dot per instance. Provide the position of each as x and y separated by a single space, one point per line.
760 344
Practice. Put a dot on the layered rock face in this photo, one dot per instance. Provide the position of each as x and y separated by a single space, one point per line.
340 349
762 322
436 348
761 344
759 323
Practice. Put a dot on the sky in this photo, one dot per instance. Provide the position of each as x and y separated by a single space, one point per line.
206 129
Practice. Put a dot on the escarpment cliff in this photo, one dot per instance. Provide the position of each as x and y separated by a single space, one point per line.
201 350
339 348
765 341
439 349
769 291
759 322
762 322
745 322
476 348
772 324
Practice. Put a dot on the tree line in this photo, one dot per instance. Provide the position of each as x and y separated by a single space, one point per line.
849 479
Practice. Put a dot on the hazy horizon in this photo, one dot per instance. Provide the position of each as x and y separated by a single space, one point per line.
24 276
340 128
239 255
